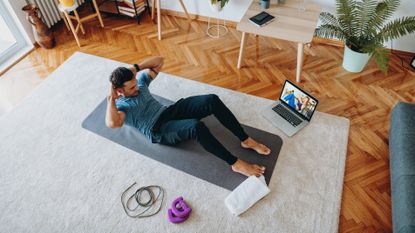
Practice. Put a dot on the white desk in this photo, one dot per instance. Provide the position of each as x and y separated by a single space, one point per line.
290 24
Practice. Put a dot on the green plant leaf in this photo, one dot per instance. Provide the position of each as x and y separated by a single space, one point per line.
345 10
397 28
384 10
327 18
381 56
330 31
223 3
365 10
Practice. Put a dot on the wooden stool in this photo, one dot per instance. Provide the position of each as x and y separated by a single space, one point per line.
67 18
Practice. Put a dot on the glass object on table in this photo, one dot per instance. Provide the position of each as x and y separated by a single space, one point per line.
301 5
264 4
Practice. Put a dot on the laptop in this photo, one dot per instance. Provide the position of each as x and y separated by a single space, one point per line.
293 111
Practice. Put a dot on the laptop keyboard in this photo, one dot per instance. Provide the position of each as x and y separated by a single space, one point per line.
287 115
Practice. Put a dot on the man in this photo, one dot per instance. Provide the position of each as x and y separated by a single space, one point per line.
131 102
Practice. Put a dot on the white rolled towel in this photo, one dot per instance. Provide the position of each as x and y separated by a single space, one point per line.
246 194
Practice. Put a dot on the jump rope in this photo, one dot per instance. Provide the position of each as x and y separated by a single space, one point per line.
178 213
141 205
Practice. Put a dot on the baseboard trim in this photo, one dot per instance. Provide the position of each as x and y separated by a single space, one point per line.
8 67
195 17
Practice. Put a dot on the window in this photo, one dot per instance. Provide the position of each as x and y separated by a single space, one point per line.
13 44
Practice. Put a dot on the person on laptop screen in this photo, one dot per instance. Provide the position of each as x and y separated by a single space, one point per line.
130 102
298 101
292 111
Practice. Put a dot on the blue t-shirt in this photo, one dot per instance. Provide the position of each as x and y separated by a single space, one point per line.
141 111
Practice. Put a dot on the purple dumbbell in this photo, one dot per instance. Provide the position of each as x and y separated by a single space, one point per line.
175 219
179 211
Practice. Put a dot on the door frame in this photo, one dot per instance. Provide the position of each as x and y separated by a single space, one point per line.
22 45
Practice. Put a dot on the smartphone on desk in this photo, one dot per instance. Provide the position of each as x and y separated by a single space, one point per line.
261 19
261 16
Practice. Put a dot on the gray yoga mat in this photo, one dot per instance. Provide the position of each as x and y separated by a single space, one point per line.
189 156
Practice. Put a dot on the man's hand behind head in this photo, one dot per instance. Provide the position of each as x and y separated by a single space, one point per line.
113 94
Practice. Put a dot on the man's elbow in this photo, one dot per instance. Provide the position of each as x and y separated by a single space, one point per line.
160 61
160 58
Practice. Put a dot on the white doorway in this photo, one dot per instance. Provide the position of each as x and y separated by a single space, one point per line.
13 43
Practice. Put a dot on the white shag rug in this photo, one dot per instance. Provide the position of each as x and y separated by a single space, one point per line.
56 176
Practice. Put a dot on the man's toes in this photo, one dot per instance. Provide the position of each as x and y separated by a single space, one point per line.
265 149
258 174
260 169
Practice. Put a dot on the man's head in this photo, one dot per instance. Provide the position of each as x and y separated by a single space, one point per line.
123 81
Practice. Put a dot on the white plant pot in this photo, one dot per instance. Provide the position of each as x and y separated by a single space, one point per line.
353 61
216 7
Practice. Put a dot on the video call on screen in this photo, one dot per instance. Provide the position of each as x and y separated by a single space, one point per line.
298 100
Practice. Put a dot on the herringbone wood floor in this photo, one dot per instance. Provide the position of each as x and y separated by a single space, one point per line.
365 98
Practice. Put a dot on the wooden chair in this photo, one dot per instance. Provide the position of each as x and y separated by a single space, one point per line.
68 18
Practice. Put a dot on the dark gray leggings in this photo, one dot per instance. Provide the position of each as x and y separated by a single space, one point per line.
181 121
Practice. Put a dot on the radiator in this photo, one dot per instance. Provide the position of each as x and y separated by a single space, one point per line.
49 10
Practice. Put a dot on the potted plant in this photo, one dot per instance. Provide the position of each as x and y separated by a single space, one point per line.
218 5
362 25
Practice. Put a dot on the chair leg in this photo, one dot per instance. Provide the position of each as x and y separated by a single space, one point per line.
79 21
153 8
66 22
72 28
98 13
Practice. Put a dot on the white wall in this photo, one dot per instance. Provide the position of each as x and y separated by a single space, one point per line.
23 47
17 6
235 9
6 34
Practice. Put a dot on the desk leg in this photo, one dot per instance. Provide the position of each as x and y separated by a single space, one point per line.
158 19
299 61
241 50
185 11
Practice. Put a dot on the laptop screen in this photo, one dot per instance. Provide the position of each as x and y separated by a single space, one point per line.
298 100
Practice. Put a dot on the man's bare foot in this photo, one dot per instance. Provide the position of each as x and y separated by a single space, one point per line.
258 147
248 169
